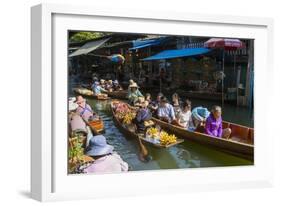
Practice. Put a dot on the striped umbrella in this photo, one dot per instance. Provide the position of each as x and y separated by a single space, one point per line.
224 44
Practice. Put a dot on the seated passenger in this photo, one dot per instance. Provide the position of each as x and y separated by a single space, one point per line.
142 116
109 85
184 118
176 103
97 89
148 97
166 111
84 109
154 105
199 116
214 124
139 102
116 85
105 160
102 83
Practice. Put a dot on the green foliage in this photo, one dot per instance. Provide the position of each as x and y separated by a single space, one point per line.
84 36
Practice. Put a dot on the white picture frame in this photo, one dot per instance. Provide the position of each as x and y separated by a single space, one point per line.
49 179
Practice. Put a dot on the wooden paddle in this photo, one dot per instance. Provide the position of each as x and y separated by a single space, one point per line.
143 150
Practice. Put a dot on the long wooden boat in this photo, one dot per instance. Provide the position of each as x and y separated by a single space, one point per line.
240 143
122 94
131 134
89 93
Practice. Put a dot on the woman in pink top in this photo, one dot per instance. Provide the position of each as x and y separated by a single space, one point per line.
105 160
83 109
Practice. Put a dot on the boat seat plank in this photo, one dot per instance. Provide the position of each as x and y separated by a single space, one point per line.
239 133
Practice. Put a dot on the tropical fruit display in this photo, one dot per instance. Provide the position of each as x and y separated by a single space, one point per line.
76 155
152 132
123 112
166 139
128 117
157 135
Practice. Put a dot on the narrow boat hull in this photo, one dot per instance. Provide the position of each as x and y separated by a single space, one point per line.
133 135
122 94
241 149
89 93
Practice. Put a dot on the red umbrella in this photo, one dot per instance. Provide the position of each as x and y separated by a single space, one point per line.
227 44
224 44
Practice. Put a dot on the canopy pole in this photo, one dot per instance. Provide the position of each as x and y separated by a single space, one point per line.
234 69
222 81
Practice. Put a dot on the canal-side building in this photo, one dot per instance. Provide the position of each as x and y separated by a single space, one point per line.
197 75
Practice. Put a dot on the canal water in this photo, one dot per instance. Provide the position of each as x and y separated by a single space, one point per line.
185 155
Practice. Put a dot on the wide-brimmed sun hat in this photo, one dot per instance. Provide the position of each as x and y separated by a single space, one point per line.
72 106
98 146
71 99
134 85
200 112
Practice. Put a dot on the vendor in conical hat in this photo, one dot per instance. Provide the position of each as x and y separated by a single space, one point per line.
134 94
131 82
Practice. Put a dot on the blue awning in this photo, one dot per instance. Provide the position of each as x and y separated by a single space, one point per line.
177 53
138 44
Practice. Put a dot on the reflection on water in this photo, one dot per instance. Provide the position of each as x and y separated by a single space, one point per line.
185 155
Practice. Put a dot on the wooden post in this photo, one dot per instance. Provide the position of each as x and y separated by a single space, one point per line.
249 68
237 86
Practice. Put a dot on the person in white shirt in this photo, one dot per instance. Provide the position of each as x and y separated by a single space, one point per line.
184 118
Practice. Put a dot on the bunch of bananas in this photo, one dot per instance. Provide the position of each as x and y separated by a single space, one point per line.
166 139
153 131
129 116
